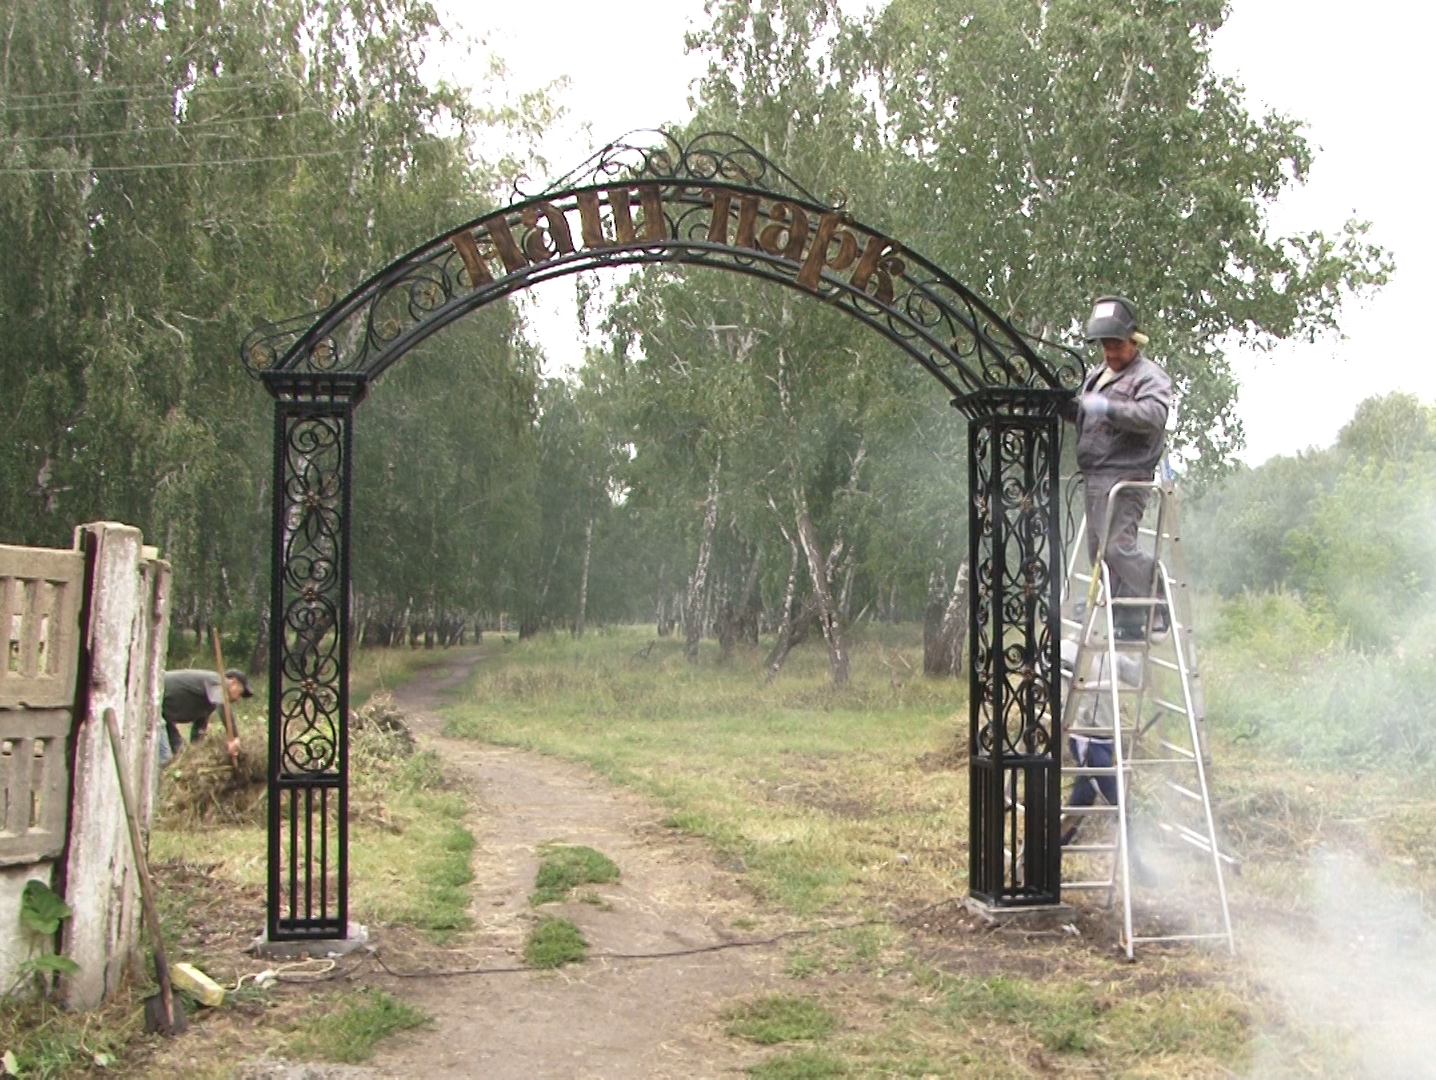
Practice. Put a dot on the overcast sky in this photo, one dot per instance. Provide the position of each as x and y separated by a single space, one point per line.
1360 76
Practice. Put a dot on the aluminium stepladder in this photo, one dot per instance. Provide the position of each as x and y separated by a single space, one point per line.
1140 702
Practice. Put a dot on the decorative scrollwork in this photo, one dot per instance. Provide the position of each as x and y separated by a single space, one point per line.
1013 514
714 201
311 591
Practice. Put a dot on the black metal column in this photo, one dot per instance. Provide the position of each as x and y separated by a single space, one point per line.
1015 741
308 893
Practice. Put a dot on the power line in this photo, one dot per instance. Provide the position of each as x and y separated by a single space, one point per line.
200 85
157 165
188 93
181 127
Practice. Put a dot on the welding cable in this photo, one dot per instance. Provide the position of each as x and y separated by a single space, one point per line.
292 973
697 950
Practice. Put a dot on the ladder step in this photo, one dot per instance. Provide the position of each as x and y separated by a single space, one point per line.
1088 849
1184 791
1088 811
1196 839
1165 745
1178 709
1181 937
1088 885
1134 762
1164 663
1089 770
1093 732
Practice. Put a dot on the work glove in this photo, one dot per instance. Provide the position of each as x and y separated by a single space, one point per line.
1095 405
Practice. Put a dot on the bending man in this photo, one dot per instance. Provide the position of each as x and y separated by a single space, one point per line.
1121 418
190 697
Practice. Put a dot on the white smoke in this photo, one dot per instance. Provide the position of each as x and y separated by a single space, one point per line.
1361 974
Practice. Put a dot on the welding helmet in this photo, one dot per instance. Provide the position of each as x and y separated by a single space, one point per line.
1112 317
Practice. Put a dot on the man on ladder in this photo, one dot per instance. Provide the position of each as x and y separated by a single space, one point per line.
1121 418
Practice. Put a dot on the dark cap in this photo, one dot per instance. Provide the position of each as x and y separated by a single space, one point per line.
1112 317
242 679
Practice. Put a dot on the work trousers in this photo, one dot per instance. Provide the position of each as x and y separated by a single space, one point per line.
1129 566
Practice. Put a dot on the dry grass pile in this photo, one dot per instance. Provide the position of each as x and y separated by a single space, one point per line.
202 786
381 728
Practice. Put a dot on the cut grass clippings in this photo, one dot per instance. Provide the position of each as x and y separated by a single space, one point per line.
350 1032
778 1018
565 867
553 943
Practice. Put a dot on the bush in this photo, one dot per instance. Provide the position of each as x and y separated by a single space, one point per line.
1283 674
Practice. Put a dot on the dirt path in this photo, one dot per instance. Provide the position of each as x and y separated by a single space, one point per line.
615 1019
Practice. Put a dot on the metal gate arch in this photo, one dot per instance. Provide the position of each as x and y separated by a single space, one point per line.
712 201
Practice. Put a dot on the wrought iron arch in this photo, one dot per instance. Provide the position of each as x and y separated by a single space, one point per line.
715 201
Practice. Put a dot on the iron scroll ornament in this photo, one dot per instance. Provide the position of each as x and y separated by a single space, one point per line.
715 202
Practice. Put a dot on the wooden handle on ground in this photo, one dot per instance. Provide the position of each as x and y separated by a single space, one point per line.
142 869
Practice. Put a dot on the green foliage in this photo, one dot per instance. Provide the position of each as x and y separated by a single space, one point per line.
349 1032
48 964
566 867
553 943
778 1018
1350 528
41 908
1284 676
799 1065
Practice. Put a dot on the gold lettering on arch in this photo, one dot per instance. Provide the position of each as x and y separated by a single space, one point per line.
472 258
788 234
505 244
878 262
547 241
620 206
821 255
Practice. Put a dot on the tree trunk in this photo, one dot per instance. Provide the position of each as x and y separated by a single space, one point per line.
822 595
583 579
944 632
697 591
259 659
548 574
747 619
660 614
784 643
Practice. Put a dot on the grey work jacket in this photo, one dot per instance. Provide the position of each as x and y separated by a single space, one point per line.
1127 443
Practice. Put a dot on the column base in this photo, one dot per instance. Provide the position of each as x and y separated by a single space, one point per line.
316 948
1034 916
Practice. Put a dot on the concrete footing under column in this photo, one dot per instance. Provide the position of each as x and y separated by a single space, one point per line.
318 948
1033 917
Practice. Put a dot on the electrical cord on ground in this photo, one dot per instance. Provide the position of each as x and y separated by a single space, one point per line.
697 950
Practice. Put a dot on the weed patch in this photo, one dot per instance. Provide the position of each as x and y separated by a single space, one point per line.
565 867
49 1042
778 1018
553 943
349 1033
799 1065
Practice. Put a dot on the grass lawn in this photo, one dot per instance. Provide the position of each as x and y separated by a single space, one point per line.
850 803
